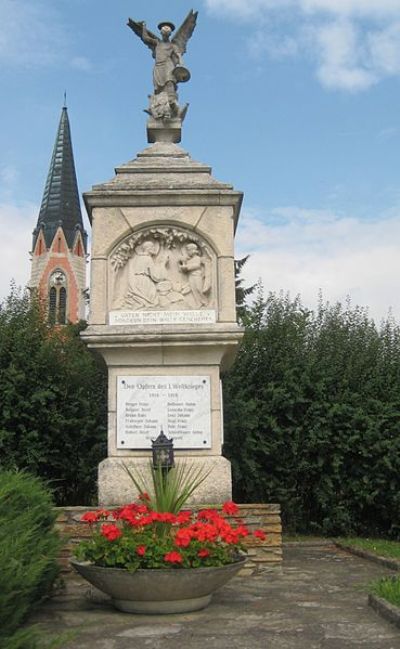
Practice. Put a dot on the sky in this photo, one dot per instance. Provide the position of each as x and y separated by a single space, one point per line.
294 102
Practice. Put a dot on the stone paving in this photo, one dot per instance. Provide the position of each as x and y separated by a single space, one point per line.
317 600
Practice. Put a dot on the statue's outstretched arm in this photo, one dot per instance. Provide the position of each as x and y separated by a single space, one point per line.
144 34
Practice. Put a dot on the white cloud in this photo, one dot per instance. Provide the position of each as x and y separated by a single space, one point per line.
365 8
16 225
30 33
8 179
276 46
374 8
33 34
81 63
302 251
247 8
342 59
384 47
388 133
353 43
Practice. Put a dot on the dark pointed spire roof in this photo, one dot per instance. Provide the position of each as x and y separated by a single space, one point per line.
60 202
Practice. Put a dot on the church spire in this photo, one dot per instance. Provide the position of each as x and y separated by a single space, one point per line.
59 247
60 203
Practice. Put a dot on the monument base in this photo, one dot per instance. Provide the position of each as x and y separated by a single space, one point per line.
160 130
116 488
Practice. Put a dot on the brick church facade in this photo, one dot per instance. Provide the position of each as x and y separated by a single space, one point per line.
59 246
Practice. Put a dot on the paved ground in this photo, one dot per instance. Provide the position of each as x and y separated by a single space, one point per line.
317 600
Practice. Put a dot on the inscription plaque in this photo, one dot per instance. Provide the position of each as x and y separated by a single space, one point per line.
180 405
162 317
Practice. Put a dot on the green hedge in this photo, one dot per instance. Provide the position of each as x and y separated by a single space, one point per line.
28 551
312 417
53 406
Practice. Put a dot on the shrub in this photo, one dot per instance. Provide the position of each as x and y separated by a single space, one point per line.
28 551
312 417
54 404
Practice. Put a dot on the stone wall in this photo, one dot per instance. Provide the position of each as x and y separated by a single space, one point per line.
262 555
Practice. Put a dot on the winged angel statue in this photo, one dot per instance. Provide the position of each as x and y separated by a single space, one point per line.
169 69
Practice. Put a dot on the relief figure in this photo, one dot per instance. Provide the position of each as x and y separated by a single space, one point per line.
198 276
144 273
164 269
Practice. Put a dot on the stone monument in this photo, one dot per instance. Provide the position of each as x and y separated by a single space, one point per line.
162 297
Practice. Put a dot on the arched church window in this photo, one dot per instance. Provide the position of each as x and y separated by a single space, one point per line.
52 305
62 310
58 298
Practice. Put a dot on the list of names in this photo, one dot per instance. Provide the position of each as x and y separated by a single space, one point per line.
179 405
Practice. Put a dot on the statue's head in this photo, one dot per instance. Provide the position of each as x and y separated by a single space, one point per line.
192 249
148 248
166 30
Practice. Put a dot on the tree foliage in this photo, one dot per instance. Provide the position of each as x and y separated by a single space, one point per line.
241 292
28 551
53 401
312 416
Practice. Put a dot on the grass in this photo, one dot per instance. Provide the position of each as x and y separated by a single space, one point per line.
388 588
381 547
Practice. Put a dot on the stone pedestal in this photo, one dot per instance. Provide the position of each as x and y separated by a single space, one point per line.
115 485
164 130
163 312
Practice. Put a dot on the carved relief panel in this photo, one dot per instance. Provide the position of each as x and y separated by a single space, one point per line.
163 269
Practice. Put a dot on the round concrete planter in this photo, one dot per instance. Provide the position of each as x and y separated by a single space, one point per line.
158 591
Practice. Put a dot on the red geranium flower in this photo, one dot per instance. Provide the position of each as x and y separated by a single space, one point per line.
147 519
183 517
173 557
111 532
183 537
207 514
231 537
205 532
93 517
89 517
164 517
230 508
259 534
103 513
203 553
141 550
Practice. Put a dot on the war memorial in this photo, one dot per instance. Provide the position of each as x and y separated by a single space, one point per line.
162 306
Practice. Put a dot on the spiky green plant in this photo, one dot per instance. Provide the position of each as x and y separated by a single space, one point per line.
168 491
388 588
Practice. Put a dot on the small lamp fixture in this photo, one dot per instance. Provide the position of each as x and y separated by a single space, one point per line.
163 452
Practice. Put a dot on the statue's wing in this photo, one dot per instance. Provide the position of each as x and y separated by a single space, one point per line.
185 31
144 34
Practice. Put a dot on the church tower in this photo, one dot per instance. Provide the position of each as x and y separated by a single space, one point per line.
59 243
